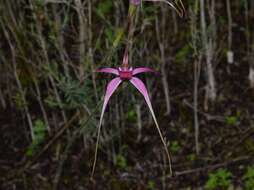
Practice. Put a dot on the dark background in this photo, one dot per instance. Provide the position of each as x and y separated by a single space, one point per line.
50 96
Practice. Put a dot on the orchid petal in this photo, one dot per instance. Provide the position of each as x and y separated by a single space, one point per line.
108 70
112 86
143 70
143 90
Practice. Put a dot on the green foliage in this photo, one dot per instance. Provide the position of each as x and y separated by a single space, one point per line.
88 126
218 180
175 147
191 157
51 70
104 8
132 115
249 144
248 178
183 54
98 44
121 161
74 94
151 185
149 12
19 102
52 102
39 137
39 3
233 119
110 34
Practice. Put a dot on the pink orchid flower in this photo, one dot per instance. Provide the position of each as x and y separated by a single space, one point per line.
177 5
126 73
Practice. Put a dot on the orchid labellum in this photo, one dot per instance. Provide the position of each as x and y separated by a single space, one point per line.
126 73
177 5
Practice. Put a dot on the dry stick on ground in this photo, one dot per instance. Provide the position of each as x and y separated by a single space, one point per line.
58 135
212 167
29 163
232 149
53 139
206 115
208 47
20 88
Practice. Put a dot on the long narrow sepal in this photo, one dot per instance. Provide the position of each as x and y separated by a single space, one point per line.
143 90
143 70
111 88
108 70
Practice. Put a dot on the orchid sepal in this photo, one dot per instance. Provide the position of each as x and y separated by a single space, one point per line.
108 70
144 70
111 88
